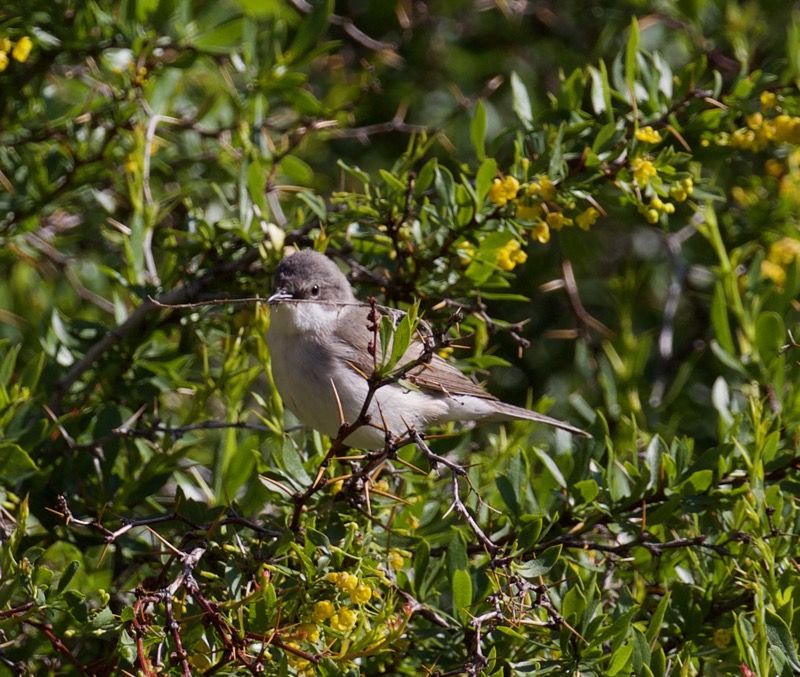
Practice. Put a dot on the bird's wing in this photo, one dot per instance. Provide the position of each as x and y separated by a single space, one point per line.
439 375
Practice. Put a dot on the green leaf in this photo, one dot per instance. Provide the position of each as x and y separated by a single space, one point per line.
588 490
652 457
486 174
792 52
426 176
16 464
779 636
697 483
521 102
456 554
530 533
508 493
403 333
477 130
573 605
221 39
67 576
297 170
288 459
421 559
620 660
385 332
8 363
605 137
461 586
719 320
311 30
726 358
770 335
657 620
551 466
632 53
535 568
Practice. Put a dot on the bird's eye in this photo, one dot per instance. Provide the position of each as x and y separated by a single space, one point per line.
315 290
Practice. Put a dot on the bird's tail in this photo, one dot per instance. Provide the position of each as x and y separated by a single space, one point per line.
507 411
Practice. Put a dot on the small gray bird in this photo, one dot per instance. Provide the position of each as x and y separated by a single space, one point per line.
319 341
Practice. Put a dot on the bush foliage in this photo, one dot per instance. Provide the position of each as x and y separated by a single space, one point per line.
598 200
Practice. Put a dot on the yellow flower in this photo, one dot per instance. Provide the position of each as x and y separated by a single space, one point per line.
323 610
664 207
682 190
586 219
787 129
557 220
22 49
643 170
297 662
541 232
755 121
650 213
773 167
722 638
768 100
529 212
344 581
784 251
772 271
510 255
466 252
3 61
544 188
362 594
310 630
5 45
344 620
648 135
503 190
395 560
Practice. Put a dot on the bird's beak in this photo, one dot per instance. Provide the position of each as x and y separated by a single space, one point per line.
279 296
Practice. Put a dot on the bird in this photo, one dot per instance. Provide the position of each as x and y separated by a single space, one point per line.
320 340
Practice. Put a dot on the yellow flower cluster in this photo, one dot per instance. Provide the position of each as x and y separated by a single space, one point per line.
343 580
339 617
395 560
295 661
344 620
510 255
503 190
648 135
643 170
360 592
323 611
544 188
682 190
761 131
533 203
779 256
19 51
